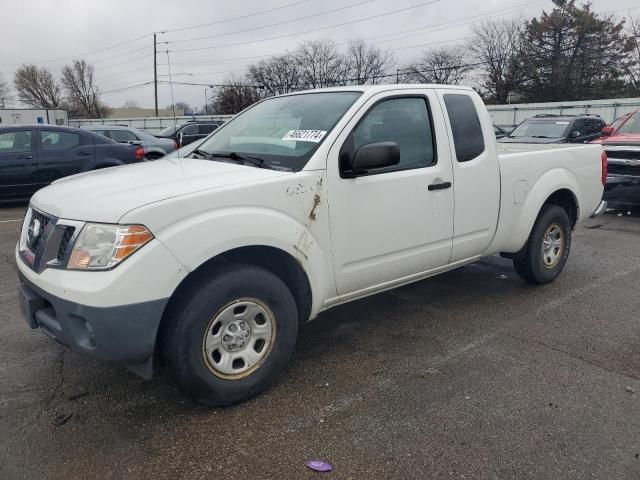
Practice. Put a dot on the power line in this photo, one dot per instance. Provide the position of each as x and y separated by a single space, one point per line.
253 29
235 18
62 59
310 31
130 87
120 55
431 28
126 61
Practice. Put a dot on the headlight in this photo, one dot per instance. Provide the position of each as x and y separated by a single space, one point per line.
101 247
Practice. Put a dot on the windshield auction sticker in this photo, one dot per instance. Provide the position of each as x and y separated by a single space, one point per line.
305 135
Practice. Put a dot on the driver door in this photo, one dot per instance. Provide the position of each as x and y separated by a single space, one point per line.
391 224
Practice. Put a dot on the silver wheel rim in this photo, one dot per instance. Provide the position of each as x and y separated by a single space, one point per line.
239 338
553 245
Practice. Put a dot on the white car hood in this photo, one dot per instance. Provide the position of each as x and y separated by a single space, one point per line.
106 195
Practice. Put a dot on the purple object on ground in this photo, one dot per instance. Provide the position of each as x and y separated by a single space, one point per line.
319 466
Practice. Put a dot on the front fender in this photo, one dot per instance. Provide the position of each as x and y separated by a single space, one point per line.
518 219
195 240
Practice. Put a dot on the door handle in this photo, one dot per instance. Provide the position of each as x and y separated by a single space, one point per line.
83 154
25 157
439 186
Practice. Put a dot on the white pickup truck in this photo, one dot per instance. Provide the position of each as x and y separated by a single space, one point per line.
300 203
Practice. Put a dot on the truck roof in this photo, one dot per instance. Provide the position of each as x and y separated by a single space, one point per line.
382 88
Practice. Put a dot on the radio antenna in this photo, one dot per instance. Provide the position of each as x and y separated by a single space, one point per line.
173 103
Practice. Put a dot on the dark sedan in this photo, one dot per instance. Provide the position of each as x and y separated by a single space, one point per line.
33 156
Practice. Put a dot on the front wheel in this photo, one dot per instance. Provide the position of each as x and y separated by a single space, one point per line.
230 338
547 249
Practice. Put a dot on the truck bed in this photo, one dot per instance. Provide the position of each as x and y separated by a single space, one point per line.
529 174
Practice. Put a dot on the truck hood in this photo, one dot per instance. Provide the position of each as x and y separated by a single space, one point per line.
622 139
106 195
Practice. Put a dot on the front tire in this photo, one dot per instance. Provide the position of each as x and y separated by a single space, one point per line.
547 249
230 338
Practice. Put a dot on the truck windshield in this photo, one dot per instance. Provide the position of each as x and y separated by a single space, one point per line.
284 132
541 129
632 125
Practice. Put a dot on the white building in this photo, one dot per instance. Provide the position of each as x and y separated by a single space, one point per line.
13 116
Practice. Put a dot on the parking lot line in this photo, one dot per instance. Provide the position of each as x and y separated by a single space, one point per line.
12 220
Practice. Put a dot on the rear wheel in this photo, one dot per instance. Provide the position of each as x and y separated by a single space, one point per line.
230 338
547 249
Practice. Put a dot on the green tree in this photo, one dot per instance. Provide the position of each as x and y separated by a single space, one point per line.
572 53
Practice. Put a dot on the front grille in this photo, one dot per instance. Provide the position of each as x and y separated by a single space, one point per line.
34 243
64 243
623 154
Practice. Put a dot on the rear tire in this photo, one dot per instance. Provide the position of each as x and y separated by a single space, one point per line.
547 249
230 338
153 156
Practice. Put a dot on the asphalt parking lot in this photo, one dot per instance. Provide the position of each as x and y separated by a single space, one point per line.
472 374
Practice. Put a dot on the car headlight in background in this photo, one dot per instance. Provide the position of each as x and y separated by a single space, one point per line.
103 246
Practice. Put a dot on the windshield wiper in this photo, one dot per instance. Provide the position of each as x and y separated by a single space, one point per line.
202 153
540 136
255 161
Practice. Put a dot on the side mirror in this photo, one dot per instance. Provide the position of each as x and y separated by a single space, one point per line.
375 155
606 131
180 137
575 134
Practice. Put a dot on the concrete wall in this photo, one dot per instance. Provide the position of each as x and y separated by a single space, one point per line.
151 124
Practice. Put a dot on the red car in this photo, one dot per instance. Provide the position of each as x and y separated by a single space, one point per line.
621 141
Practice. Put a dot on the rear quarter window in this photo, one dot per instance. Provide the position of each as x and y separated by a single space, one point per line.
465 126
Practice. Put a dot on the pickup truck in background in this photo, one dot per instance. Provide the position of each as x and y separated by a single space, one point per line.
622 145
300 203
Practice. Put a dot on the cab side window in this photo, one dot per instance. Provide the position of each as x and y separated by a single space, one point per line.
123 136
15 142
190 130
465 126
405 121
56 140
206 128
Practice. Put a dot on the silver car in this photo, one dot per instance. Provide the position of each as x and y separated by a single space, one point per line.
154 147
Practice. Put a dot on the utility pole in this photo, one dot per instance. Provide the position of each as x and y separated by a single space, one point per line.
155 71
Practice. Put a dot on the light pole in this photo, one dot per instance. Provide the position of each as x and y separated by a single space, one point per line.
206 100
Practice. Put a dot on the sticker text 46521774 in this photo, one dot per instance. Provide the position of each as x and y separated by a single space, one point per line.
305 135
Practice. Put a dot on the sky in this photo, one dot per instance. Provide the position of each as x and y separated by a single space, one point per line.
208 40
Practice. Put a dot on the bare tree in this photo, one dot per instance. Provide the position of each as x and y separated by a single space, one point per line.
632 66
496 44
321 64
131 104
184 107
82 93
279 74
5 93
36 87
234 96
366 63
446 65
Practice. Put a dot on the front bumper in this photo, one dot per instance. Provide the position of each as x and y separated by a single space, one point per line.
622 190
125 333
